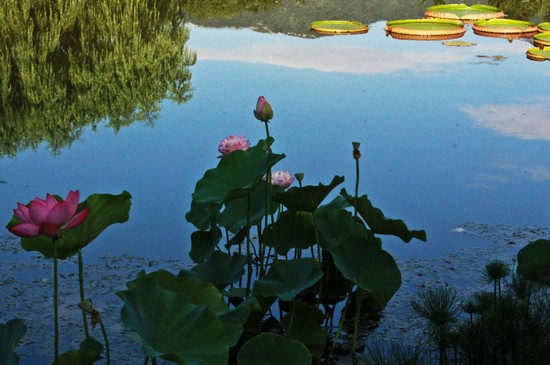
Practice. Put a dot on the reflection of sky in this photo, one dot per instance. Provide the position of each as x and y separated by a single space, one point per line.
443 132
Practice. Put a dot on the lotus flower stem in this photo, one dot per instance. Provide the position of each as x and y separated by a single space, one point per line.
339 328
55 311
81 286
227 241
249 258
107 348
358 298
146 360
291 318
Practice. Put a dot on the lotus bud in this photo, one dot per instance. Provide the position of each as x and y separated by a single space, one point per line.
263 110
356 152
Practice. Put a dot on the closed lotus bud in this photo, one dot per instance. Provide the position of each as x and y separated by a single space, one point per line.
263 110
356 152
299 176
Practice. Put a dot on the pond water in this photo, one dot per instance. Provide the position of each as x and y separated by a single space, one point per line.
448 134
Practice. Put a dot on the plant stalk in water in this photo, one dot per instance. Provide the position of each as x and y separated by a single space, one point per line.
81 286
55 310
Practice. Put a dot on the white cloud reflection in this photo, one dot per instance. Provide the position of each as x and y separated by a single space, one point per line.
523 120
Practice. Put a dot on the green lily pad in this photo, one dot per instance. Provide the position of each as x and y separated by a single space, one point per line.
77 357
537 54
544 27
203 243
273 349
378 223
542 39
292 230
306 198
338 27
171 327
105 210
464 12
10 333
287 278
505 26
220 269
534 261
426 27
236 174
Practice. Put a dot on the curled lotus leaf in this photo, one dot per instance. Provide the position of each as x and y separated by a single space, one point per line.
306 198
10 333
273 349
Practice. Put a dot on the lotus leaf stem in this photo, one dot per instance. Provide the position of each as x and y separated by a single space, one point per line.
107 348
81 286
55 310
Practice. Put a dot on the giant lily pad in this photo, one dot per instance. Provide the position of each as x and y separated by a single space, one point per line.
170 326
544 27
10 333
542 40
464 12
273 349
504 26
105 210
534 261
429 28
537 54
378 223
287 278
338 27
236 174
306 198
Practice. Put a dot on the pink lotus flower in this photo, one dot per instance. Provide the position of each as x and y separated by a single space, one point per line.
281 178
48 217
233 143
263 110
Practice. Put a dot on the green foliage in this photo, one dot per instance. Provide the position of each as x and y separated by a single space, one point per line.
306 198
534 261
105 210
292 230
273 349
78 357
220 269
10 333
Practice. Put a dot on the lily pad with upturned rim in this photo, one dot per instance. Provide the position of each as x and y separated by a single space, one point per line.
537 54
542 39
338 27
544 27
464 12
426 27
504 26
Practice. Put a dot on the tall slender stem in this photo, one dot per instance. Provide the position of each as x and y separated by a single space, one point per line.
339 328
107 348
248 242
82 296
55 311
356 186
358 298
291 318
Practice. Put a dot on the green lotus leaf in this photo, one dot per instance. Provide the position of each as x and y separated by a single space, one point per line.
196 291
378 223
77 357
236 175
203 243
306 328
234 216
235 319
219 268
534 261
287 278
172 327
291 230
368 266
273 349
91 343
306 198
202 214
10 333
105 210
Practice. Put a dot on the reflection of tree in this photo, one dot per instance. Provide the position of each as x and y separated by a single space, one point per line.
203 9
67 64
534 10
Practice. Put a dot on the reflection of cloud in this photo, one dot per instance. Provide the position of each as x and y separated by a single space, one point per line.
536 173
338 58
527 121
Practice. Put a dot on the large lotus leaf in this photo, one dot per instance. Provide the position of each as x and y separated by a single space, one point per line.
306 198
203 243
235 319
77 357
10 333
219 268
202 214
291 230
306 329
196 291
534 261
171 326
105 209
236 175
378 223
287 278
273 349
90 343
334 226
234 216
368 266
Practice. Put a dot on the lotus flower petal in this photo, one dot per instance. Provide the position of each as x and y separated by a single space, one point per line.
233 143
50 201
38 211
22 213
25 230
78 219
60 214
72 199
49 229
